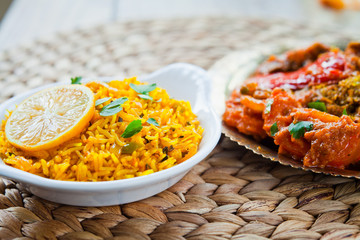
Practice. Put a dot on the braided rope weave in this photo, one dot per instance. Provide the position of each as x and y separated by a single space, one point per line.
233 194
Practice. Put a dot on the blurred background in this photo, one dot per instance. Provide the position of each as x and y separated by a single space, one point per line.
23 20
44 41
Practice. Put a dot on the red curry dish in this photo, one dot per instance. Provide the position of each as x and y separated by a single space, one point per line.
308 101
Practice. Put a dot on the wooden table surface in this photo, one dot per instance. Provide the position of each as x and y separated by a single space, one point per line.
29 20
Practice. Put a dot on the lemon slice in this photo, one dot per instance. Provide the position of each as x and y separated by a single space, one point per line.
50 117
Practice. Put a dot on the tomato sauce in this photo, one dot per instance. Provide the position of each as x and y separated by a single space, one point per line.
328 68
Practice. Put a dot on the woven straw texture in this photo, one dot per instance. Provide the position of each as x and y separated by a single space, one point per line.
233 194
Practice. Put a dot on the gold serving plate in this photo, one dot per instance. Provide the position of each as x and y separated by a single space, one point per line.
232 70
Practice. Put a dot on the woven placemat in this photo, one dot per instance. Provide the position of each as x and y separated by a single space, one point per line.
233 194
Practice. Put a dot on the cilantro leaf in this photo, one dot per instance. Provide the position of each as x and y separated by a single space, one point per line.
318 106
269 102
153 122
145 96
113 107
131 147
298 129
344 112
274 129
101 101
133 128
143 89
244 90
76 80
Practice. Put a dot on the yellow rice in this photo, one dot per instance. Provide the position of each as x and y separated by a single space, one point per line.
96 155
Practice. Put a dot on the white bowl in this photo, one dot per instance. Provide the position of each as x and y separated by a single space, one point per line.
183 82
